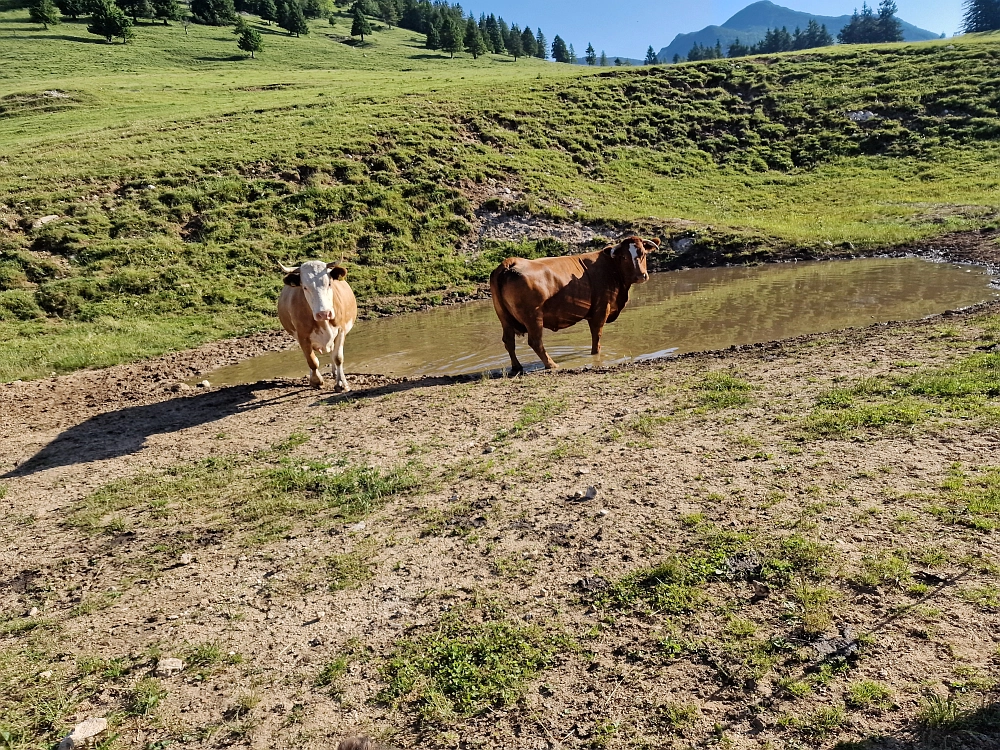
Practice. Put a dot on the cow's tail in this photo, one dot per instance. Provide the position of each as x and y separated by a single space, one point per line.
499 279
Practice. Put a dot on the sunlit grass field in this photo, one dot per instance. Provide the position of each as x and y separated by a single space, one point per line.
181 170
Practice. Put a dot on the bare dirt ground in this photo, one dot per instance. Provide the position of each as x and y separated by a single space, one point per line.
426 561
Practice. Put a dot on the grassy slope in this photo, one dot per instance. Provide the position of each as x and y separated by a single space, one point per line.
183 170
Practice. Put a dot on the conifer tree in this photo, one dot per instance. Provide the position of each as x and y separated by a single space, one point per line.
474 43
109 21
572 55
136 9
528 43
433 37
590 55
514 47
293 20
73 8
889 28
388 12
541 45
737 49
452 36
677 58
166 10
651 55
43 12
559 51
496 38
268 11
250 41
213 12
359 24
981 15
603 62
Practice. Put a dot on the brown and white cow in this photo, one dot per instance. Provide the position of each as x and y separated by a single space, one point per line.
555 293
318 308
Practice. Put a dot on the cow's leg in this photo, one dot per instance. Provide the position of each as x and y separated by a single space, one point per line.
338 361
315 379
596 329
509 344
535 330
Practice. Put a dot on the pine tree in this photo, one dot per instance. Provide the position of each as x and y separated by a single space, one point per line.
572 55
603 62
73 8
981 15
496 38
239 25
618 61
452 36
213 12
166 10
559 51
889 27
136 9
43 12
109 21
268 11
474 43
433 37
388 12
651 56
293 20
738 49
514 47
541 45
314 8
861 29
528 43
250 41
677 58
359 24
590 55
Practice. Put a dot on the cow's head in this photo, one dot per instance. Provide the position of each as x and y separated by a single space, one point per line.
316 279
630 255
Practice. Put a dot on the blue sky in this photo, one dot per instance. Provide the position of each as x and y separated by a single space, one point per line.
628 27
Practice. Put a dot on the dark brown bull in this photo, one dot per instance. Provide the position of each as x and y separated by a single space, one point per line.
555 293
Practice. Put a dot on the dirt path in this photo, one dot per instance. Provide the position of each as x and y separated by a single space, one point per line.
409 559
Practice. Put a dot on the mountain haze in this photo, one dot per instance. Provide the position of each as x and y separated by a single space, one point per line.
750 24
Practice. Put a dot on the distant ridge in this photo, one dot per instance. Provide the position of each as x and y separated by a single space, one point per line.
750 24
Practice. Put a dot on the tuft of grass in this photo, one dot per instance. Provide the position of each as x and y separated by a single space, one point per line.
671 587
868 694
815 607
532 413
971 499
349 569
987 597
145 696
884 568
721 390
465 669
332 671
676 716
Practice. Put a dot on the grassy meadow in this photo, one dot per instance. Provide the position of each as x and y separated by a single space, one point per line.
181 169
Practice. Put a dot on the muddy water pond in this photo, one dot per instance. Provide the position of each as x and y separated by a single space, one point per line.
674 312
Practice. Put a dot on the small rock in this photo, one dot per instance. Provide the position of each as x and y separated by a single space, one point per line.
320 615
33 612
359 526
46 675
204 384
488 449
862 115
84 732
582 470
187 558
603 512
169 665
590 494
180 387
39 223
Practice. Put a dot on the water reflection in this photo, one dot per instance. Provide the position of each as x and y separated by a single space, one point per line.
680 311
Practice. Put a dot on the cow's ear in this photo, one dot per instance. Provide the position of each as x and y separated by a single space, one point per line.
652 244
610 249
293 279
338 272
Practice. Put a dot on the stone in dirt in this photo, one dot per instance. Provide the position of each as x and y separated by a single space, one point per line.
187 558
590 494
180 387
84 733
204 384
168 665
39 223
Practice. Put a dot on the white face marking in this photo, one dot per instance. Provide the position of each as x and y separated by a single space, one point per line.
318 288
635 255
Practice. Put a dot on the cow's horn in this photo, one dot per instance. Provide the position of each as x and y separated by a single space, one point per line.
288 269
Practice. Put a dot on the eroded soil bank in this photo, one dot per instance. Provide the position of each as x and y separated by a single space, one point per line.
788 545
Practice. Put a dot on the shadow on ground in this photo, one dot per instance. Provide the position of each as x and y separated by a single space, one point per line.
958 728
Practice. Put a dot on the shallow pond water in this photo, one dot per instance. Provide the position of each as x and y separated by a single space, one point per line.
674 312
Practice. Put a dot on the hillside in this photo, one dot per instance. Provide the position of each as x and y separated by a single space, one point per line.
181 171
750 24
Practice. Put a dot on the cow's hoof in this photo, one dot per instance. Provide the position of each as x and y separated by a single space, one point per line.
341 388
515 372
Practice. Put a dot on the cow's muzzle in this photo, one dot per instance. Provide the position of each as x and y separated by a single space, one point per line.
324 315
643 277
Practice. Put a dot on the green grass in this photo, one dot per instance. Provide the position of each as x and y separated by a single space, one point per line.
966 390
465 669
183 171
972 500
720 390
868 694
259 496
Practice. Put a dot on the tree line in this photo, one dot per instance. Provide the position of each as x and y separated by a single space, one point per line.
865 27
981 15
